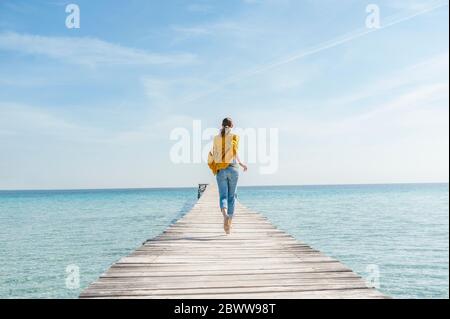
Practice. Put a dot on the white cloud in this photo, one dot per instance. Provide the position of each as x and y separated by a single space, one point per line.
86 51
414 98
199 7
219 29
420 97
174 93
23 81
192 31
426 71
252 1
404 139
414 5
33 122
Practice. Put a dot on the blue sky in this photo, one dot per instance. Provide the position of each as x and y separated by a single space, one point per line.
94 107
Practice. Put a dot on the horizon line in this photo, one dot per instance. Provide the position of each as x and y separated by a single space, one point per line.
196 185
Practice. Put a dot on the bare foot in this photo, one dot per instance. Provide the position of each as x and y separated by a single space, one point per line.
229 222
225 221
226 228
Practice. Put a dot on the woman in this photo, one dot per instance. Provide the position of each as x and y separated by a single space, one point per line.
226 159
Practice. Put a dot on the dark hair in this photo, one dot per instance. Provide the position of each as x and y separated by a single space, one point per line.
227 122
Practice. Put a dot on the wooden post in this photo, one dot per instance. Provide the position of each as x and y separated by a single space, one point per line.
201 189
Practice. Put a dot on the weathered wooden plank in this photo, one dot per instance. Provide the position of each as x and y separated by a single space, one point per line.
235 278
227 283
193 258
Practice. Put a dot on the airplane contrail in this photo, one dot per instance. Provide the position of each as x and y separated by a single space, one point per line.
390 21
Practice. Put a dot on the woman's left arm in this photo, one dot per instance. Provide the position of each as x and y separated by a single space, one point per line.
240 162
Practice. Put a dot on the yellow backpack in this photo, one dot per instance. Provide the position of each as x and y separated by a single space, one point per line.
215 165
212 164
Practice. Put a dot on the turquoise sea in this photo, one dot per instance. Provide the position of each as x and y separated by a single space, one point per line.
401 230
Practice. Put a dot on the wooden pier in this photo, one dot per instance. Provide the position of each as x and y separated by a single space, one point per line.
194 258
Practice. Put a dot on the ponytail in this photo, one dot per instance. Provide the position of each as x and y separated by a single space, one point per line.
223 131
226 123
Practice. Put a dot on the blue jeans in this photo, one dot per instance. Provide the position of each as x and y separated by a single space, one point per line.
227 182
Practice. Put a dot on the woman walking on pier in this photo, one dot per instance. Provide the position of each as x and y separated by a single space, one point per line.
224 161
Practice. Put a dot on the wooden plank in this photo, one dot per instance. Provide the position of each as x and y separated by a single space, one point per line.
193 258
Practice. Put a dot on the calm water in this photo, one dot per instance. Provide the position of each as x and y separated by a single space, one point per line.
41 233
401 229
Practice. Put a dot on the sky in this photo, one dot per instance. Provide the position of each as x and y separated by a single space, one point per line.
95 106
